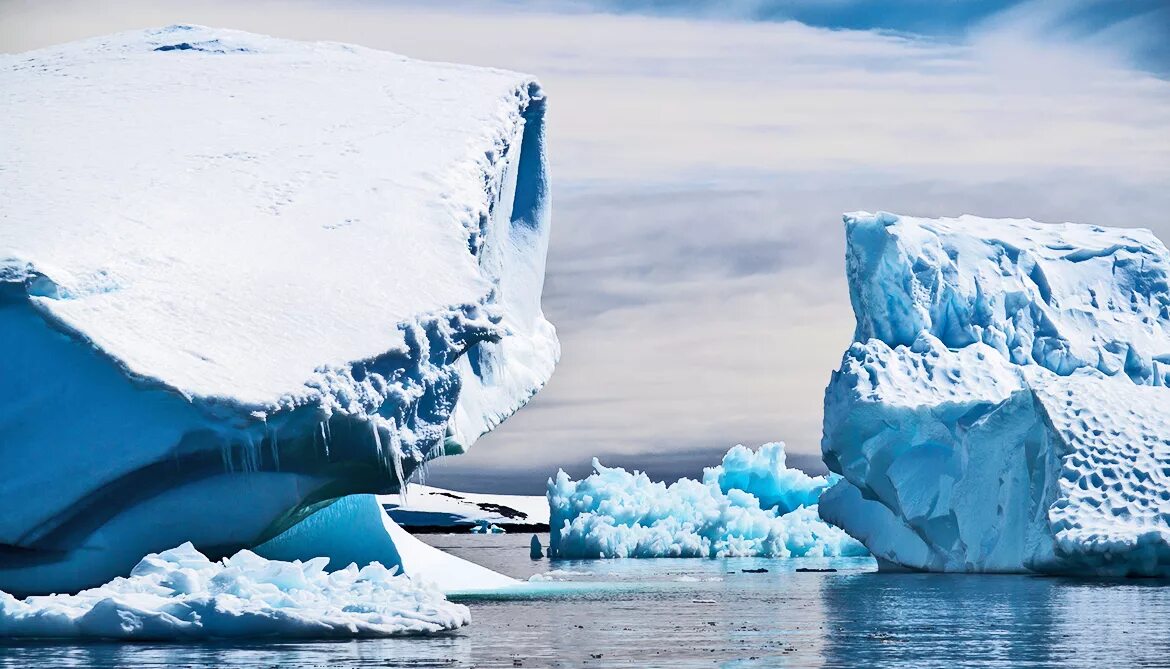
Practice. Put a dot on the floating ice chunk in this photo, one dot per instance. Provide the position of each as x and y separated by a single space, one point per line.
486 527
180 594
1003 407
535 550
616 513
430 508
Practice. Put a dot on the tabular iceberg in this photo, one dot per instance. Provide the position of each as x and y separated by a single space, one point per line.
242 277
1004 406
752 505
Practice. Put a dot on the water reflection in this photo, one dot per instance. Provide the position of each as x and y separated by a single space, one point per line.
882 620
702 613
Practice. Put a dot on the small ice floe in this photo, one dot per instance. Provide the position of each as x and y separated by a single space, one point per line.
486 527
181 594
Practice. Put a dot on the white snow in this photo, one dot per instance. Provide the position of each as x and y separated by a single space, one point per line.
431 507
180 594
1002 406
750 505
242 276
232 219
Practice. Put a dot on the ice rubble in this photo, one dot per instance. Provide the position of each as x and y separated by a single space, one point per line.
1004 406
750 505
241 277
180 594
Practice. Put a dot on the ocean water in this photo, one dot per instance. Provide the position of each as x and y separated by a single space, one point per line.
713 613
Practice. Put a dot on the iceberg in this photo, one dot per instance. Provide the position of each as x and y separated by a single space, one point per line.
752 505
427 509
244 277
180 594
1003 407
356 530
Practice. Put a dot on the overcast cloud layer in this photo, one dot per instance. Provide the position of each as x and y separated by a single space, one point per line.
701 166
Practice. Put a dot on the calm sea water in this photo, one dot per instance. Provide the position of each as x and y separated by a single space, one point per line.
704 613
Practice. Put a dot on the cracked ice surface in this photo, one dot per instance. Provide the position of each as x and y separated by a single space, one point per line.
241 277
1002 407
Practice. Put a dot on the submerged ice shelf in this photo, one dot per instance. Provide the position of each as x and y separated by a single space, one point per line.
1004 405
752 505
243 277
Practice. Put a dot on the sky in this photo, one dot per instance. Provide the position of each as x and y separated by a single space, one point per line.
702 154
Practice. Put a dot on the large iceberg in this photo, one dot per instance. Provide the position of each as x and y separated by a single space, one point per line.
1003 407
242 277
751 505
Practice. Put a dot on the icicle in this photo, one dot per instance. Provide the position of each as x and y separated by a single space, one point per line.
275 451
249 459
378 442
225 454
396 457
325 439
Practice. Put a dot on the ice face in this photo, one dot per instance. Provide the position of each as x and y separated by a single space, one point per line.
752 505
1002 406
180 594
356 529
241 277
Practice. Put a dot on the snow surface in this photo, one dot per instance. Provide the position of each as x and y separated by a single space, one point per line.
1002 407
241 277
430 507
180 594
752 505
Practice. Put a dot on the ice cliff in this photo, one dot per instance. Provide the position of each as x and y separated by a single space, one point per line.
1003 407
242 277
751 505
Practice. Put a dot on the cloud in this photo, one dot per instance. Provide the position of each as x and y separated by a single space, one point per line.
700 169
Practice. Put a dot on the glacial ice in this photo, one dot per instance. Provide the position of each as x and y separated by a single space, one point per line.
1003 407
180 594
242 277
752 505
355 529
486 527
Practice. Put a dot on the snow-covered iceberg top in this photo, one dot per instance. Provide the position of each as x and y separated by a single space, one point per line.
1063 297
180 594
1003 406
752 505
243 276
